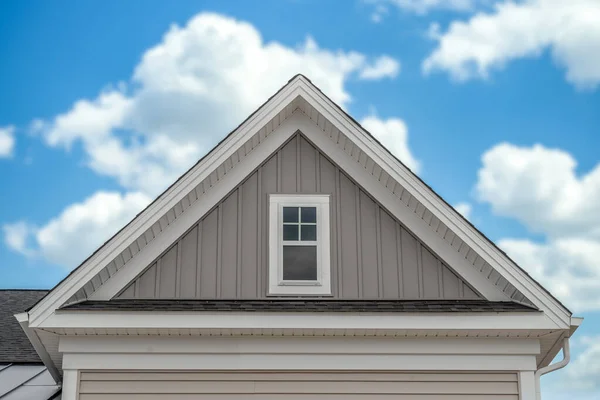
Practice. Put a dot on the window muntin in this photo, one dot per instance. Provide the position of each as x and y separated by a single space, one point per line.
299 245
299 261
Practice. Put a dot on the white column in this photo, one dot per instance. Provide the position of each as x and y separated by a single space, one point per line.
70 383
527 387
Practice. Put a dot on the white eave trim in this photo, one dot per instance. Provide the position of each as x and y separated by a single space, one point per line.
73 319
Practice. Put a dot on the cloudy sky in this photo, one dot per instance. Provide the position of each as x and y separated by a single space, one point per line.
495 104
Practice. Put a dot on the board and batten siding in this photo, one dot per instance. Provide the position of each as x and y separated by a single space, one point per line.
151 385
225 255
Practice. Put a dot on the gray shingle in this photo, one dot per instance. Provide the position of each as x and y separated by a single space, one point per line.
14 344
305 305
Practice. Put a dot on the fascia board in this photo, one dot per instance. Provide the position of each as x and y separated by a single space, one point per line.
295 320
440 209
64 290
296 345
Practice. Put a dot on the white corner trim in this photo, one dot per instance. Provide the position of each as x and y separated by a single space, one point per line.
517 277
415 224
295 320
277 286
84 273
197 210
70 384
527 385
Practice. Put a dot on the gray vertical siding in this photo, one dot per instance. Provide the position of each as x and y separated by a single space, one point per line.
225 255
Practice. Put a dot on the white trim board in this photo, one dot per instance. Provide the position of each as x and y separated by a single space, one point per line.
295 345
298 354
299 362
296 320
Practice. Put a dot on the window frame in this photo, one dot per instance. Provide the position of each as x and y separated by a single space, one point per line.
277 285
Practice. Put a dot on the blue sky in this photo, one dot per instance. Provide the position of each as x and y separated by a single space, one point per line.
502 118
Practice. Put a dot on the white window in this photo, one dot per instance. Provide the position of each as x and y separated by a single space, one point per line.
299 245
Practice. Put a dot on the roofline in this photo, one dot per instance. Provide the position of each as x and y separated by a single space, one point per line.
418 181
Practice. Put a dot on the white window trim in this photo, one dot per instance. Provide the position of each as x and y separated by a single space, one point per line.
277 286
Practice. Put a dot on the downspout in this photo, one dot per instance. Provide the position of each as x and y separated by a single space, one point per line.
552 367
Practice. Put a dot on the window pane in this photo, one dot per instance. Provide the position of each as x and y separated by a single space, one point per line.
299 263
309 214
290 232
290 214
309 232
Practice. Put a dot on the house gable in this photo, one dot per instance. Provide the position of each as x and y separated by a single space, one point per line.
224 255
491 267
297 106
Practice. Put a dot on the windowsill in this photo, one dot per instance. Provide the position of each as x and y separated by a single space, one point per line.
299 295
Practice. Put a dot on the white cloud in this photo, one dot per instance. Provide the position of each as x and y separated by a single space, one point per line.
16 236
384 67
489 40
72 236
583 373
7 141
464 209
420 7
393 134
539 187
380 11
568 268
188 91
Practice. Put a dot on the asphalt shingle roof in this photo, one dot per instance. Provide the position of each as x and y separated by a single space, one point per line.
14 344
304 305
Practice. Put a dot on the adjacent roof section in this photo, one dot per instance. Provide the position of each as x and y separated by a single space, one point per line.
14 344
22 375
27 382
306 305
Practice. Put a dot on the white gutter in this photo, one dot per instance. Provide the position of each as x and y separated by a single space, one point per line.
552 367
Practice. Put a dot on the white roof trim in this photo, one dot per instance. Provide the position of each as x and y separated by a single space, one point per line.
298 86
520 321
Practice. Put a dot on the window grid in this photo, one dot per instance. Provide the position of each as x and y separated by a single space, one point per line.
292 219
299 224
